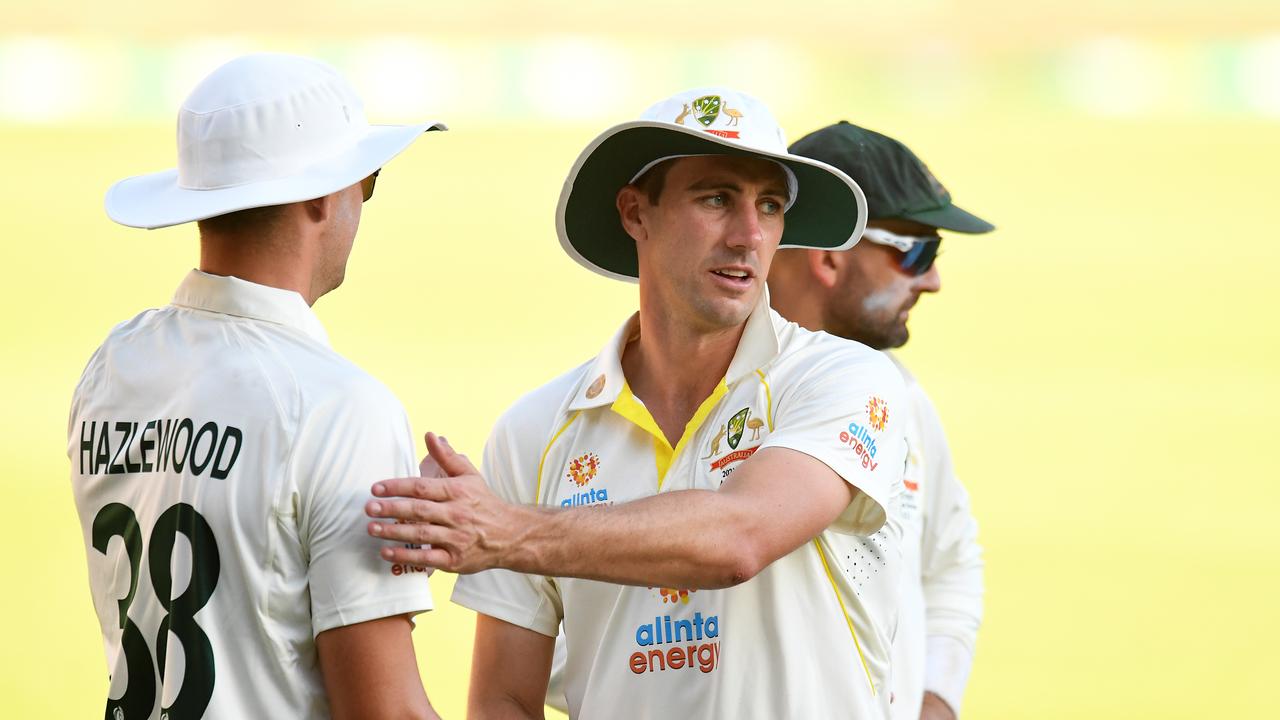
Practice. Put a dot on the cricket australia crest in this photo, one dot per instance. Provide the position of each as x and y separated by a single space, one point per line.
706 109
737 424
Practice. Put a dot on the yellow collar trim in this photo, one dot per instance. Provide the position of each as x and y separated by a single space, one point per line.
629 406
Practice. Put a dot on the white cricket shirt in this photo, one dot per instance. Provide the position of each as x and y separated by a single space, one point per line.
809 636
221 456
942 568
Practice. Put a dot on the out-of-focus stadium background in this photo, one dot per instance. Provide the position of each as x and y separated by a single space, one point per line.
1108 363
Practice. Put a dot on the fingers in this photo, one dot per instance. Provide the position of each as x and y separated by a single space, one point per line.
421 488
431 557
451 462
409 511
429 468
412 533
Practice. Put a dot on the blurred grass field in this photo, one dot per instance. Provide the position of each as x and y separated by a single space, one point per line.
1107 365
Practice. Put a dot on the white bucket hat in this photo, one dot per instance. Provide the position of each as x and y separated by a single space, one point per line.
826 210
263 129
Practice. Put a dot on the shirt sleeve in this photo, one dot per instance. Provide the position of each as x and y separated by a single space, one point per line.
511 458
951 565
354 438
847 410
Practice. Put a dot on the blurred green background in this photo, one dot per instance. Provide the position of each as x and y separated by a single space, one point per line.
1106 362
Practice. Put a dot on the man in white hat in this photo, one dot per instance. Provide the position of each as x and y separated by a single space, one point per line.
221 451
707 506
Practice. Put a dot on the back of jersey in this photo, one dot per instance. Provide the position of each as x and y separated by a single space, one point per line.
187 439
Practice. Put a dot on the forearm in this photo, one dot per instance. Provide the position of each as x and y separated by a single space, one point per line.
947 667
664 540
953 588
501 708
686 539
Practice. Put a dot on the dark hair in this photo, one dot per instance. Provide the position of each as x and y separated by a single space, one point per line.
242 221
651 182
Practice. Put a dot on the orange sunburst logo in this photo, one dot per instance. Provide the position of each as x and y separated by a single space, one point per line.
877 413
674 595
583 469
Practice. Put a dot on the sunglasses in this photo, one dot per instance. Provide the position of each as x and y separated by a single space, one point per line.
367 184
918 251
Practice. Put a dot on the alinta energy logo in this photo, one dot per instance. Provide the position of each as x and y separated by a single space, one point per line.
877 413
674 595
582 470
861 441
670 643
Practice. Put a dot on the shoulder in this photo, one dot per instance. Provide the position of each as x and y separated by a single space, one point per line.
921 403
120 337
805 356
335 385
535 412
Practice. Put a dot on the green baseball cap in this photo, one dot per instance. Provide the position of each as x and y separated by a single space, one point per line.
897 184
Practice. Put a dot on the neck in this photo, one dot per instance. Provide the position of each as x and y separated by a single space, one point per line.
788 300
275 262
673 367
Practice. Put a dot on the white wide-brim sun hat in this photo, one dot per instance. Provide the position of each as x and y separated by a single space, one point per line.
827 210
263 129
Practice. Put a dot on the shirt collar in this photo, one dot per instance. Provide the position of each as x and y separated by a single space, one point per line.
758 347
241 298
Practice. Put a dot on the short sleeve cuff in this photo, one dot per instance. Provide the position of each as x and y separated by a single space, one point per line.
406 604
506 611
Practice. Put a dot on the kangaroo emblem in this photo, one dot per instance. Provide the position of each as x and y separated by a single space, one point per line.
715 442
684 114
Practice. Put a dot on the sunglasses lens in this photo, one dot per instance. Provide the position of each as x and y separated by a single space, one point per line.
367 184
920 257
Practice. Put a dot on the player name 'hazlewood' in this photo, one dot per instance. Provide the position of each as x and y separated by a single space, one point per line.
120 448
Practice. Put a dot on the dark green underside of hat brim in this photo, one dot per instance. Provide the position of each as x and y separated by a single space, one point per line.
950 218
824 216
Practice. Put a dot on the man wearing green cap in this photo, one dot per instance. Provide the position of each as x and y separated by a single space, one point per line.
709 505
866 294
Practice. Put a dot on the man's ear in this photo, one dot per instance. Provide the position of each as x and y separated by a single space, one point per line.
629 202
826 266
319 209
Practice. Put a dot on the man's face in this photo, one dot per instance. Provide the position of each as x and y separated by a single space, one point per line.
339 235
706 245
874 295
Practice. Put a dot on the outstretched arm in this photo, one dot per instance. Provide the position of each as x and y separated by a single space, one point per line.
773 503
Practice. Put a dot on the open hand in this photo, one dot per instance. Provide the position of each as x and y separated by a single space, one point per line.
461 526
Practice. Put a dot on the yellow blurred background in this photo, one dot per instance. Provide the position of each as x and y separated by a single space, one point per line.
1107 363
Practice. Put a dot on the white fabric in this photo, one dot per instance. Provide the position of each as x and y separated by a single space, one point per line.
778 645
263 129
942 582
298 435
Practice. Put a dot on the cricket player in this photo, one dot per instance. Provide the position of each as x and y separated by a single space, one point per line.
221 451
866 294
707 505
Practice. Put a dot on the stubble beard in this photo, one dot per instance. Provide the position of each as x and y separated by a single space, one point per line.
871 320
